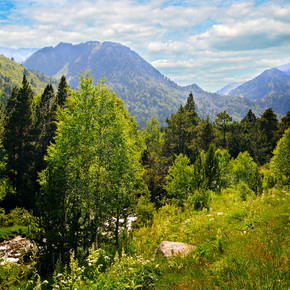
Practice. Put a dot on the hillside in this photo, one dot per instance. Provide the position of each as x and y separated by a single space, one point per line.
269 89
144 90
11 74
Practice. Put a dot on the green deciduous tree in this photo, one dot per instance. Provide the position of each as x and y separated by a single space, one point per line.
244 169
280 162
93 170
179 181
152 160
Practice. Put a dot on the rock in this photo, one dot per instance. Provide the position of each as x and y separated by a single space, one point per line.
169 249
11 250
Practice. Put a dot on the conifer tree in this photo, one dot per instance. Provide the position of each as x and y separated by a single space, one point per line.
205 134
62 91
268 128
18 143
180 133
223 123
211 168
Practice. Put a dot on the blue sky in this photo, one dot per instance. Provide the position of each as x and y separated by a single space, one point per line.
210 43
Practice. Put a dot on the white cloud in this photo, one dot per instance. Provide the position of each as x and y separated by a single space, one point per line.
203 42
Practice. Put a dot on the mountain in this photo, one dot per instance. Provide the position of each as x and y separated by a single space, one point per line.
19 55
11 74
228 88
144 90
285 68
269 89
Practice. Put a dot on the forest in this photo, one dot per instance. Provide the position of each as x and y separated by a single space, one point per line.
76 170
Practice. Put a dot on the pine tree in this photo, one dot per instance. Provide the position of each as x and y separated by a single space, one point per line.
180 133
223 123
46 113
62 91
205 134
268 127
211 168
18 143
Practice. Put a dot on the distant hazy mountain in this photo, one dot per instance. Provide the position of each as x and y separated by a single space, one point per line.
11 74
144 90
285 68
269 89
228 88
19 55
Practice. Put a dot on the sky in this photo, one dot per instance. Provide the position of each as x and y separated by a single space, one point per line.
209 43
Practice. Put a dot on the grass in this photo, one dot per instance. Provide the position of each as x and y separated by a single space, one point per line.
12 231
240 245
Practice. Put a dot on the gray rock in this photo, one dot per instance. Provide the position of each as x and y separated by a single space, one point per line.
168 249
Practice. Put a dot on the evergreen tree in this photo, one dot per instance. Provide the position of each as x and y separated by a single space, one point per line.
205 134
268 127
223 123
180 133
211 168
236 140
62 91
18 142
46 113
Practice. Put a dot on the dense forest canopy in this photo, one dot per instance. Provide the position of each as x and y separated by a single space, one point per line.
75 167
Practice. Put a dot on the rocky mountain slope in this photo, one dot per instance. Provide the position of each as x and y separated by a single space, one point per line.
144 90
269 89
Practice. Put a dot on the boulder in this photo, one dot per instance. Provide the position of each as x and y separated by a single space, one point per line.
168 249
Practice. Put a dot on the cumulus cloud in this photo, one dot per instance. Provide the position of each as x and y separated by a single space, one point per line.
190 41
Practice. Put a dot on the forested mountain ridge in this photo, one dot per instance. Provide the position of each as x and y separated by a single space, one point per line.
11 74
144 90
269 89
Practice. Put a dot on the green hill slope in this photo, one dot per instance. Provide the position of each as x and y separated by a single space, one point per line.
11 74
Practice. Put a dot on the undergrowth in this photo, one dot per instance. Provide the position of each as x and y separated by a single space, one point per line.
240 245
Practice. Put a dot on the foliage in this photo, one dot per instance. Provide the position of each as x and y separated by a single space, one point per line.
244 169
280 162
18 221
11 74
18 141
187 183
93 171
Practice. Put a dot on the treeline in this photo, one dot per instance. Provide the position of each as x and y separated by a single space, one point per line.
77 160
198 139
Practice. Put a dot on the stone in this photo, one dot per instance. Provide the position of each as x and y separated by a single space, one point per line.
168 249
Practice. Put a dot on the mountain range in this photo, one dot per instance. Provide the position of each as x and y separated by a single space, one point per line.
146 92
269 89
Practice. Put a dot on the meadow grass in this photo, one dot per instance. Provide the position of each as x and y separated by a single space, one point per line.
240 244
